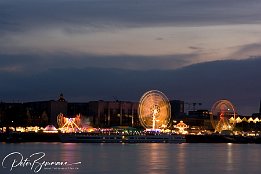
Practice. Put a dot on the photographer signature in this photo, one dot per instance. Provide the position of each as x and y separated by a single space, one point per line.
34 162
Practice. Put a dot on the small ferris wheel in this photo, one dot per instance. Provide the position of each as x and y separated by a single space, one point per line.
222 112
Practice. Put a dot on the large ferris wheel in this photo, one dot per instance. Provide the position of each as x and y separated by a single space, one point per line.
222 112
154 110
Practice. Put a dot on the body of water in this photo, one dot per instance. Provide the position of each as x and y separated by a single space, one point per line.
130 158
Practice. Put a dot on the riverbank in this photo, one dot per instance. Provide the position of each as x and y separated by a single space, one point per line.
54 137
29 137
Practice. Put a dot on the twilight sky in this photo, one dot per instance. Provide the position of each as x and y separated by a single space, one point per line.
193 50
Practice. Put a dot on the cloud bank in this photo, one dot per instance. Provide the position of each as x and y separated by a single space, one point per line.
237 81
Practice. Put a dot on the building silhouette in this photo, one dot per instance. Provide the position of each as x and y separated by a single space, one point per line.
177 109
41 113
113 113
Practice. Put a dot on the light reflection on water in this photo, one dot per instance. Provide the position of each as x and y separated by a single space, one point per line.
144 158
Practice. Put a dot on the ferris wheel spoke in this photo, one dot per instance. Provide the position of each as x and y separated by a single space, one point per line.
154 109
222 112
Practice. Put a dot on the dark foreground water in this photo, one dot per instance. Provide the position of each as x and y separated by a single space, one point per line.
131 158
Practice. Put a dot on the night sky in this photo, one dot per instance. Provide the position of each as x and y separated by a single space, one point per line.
192 50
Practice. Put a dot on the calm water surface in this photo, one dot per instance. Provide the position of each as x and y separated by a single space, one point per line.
137 158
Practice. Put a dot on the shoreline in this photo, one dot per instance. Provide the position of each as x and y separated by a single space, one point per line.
54 137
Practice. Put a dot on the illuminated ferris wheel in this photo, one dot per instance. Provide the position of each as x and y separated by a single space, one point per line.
154 110
222 112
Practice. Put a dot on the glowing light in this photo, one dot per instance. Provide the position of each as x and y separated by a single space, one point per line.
250 119
244 119
238 120
223 116
50 129
232 120
154 110
256 120
181 126
69 124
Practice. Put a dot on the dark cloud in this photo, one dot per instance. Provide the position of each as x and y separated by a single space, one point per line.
237 81
35 63
21 15
195 48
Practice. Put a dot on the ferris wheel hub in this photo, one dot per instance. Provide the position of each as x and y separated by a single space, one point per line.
154 110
